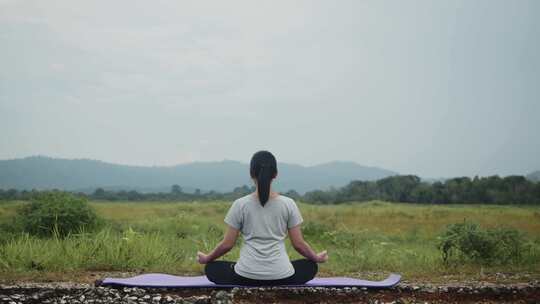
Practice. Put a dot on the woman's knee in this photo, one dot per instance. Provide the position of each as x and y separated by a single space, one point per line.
305 270
219 272
305 265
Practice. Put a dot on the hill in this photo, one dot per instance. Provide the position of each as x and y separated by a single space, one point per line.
534 176
39 172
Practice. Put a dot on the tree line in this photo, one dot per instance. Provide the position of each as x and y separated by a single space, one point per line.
400 188
410 189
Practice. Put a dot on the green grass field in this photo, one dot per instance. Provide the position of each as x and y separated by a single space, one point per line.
363 239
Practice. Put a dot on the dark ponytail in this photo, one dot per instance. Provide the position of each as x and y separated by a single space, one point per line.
263 168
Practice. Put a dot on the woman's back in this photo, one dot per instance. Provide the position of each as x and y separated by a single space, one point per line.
264 218
263 255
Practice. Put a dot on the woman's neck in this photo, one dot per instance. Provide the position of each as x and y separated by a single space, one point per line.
272 193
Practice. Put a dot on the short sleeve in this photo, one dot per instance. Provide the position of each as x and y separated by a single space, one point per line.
295 218
234 216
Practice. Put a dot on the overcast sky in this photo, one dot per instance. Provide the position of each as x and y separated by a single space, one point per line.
435 88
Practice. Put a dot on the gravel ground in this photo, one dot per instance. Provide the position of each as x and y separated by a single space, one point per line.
471 292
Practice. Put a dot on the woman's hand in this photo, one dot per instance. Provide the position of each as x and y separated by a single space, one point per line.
322 257
222 248
298 242
202 258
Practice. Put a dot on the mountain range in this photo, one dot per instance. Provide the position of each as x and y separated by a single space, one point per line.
41 172
534 176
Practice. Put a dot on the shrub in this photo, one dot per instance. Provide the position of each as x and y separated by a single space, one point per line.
6 236
469 242
56 213
510 244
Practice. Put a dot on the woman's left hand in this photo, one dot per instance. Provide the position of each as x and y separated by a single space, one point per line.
202 258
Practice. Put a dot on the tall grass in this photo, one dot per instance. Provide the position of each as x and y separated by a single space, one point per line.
360 238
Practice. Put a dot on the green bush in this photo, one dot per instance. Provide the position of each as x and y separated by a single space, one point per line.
6 236
57 213
469 242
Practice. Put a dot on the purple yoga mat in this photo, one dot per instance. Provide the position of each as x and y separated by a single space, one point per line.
171 281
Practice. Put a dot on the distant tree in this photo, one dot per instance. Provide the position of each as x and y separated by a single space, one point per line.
134 196
80 195
423 193
99 193
319 196
397 188
12 194
243 190
176 190
439 193
24 195
293 194
459 190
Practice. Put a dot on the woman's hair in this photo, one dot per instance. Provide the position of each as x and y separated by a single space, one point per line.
263 168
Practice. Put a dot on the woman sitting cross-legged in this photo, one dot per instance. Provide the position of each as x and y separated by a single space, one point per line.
264 218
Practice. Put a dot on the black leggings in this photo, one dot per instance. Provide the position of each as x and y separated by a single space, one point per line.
222 272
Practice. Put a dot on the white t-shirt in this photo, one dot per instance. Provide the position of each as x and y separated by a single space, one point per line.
263 255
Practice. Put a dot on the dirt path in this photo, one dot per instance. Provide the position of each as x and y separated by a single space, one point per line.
405 292
85 293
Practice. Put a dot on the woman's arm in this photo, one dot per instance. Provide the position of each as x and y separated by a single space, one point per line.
300 245
222 248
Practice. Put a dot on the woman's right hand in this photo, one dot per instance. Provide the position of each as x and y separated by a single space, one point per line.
322 257
202 258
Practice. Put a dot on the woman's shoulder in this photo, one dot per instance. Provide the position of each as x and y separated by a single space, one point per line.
244 199
252 198
287 200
